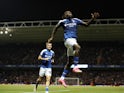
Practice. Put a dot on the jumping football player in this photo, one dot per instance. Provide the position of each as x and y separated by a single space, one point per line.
69 25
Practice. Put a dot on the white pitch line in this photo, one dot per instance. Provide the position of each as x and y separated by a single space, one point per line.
49 91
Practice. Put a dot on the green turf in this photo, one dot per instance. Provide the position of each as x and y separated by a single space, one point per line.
60 89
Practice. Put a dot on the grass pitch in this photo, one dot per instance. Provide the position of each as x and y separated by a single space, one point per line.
15 88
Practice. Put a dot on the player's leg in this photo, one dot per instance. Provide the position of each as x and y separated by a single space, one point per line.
37 82
76 57
69 62
47 83
48 78
73 50
66 70
41 74
76 49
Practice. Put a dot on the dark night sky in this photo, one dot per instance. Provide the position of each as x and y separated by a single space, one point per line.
29 10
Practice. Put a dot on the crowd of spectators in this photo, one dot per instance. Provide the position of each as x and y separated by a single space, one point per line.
88 77
92 53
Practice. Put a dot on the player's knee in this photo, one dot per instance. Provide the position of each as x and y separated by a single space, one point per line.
77 47
39 79
48 79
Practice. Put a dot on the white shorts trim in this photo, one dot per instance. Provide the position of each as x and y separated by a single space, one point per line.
45 72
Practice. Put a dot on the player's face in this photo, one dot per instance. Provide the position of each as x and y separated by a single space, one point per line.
49 46
68 14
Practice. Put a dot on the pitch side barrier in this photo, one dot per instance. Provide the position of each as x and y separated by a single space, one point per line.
82 66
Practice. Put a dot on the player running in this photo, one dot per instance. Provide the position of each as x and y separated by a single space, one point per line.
47 57
69 25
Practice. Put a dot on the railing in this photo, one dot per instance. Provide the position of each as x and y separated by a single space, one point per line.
48 23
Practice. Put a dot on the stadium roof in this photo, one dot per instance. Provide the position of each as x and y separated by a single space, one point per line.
39 31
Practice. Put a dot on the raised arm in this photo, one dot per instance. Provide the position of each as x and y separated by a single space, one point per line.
55 29
93 16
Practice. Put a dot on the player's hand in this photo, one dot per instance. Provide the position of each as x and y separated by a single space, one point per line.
46 59
50 39
52 61
95 15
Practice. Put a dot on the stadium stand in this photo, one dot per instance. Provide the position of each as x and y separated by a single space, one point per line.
92 53
102 49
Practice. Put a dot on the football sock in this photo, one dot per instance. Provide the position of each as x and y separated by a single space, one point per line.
47 90
65 72
76 61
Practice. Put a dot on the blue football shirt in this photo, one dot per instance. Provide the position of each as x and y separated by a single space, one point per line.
70 27
45 53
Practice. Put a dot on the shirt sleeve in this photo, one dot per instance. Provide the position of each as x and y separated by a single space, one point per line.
79 21
42 52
